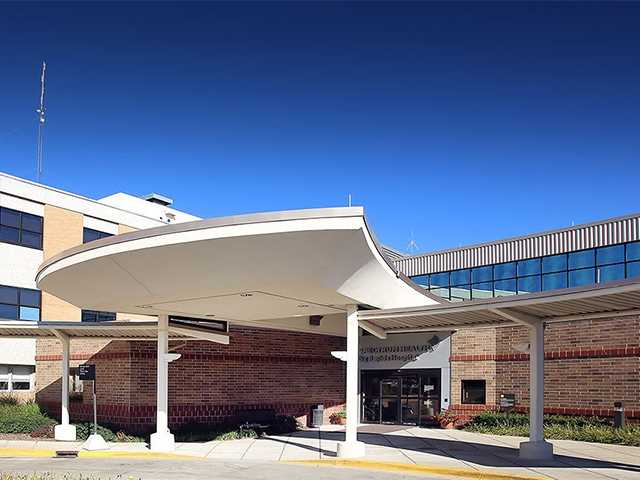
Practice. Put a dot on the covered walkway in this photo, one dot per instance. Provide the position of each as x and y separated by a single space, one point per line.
318 271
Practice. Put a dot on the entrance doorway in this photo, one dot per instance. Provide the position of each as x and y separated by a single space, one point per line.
404 397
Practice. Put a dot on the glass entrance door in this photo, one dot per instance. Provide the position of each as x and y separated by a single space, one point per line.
390 400
410 397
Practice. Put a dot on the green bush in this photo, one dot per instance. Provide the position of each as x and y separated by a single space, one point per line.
83 430
198 432
559 427
22 418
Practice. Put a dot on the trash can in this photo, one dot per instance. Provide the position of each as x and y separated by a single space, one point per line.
317 416
618 414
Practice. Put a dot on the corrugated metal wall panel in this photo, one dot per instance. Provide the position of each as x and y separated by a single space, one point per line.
607 232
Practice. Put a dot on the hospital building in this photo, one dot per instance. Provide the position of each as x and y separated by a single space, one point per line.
450 329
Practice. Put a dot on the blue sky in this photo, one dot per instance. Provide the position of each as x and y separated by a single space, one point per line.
458 122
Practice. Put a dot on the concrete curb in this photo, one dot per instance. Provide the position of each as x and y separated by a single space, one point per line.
414 469
48 453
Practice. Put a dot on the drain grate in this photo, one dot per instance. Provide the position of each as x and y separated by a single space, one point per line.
66 453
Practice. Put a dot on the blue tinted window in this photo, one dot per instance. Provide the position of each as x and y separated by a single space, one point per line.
441 292
8 312
608 255
89 235
586 258
461 292
504 270
611 273
10 218
30 298
422 280
504 287
9 234
553 281
482 290
440 280
459 277
554 263
586 276
9 295
29 313
94 316
31 223
529 284
633 269
482 274
30 239
633 251
528 267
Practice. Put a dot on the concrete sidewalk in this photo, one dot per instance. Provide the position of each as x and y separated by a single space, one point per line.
451 449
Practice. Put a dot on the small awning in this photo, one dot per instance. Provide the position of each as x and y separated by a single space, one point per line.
594 301
117 330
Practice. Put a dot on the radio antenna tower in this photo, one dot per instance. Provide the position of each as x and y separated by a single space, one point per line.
40 111
413 245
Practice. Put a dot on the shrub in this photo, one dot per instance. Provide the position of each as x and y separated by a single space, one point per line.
83 430
198 432
559 427
283 424
338 418
22 418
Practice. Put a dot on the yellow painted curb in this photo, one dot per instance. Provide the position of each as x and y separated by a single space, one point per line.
141 455
26 452
47 453
413 468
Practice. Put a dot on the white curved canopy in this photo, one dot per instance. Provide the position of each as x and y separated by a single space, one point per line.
270 269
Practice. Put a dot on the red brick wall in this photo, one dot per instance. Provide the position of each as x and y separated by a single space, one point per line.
589 364
210 383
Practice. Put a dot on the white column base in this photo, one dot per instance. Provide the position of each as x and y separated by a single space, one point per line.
163 442
95 442
351 449
539 450
65 433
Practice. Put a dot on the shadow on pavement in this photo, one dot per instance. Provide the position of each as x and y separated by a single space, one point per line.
466 451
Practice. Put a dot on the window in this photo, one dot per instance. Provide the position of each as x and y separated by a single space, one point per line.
528 267
19 303
505 287
16 377
609 255
89 235
633 251
585 276
529 284
20 228
422 280
439 280
553 281
554 263
482 290
460 277
474 391
611 273
482 274
95 316
586 258
461 292
504 270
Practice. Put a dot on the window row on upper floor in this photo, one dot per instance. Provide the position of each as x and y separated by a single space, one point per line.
20 228
26 229
19 303
585 267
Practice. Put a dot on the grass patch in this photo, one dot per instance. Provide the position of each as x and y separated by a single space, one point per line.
559 427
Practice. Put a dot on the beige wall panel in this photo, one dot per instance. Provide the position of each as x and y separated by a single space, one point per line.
62 230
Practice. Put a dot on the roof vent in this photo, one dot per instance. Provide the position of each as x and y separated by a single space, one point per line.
159 199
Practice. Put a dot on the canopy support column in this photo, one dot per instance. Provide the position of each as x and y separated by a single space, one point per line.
163 440
536 448
351 447
64 431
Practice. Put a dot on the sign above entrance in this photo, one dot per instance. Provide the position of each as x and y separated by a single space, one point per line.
406 350
202 324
